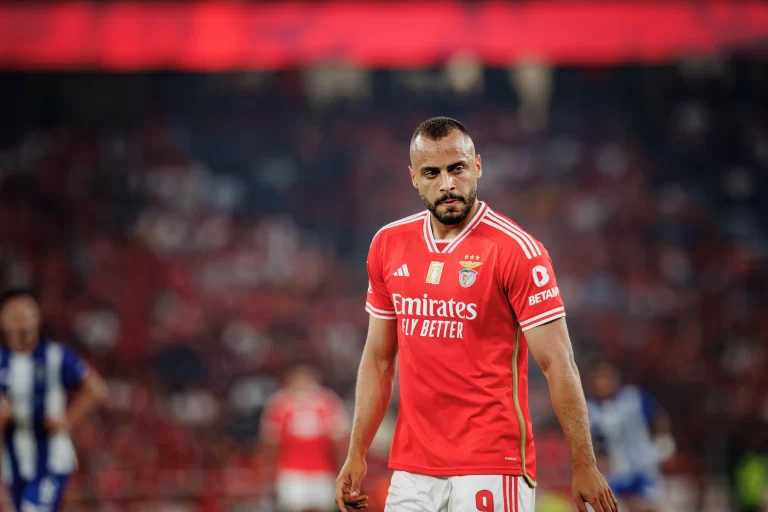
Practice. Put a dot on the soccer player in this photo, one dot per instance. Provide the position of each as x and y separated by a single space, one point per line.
457 296
634 432
304 431
35 374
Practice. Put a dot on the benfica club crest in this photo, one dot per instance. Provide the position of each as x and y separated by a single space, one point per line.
468 274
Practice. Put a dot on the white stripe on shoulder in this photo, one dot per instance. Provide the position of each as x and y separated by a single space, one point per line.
529 240
506 231
407 220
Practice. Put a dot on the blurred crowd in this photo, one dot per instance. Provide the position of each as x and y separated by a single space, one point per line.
192 237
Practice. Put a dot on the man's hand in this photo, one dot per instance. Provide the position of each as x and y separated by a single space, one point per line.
589 486
348 485
6 411
56 425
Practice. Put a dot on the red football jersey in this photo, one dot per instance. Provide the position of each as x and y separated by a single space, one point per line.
305 428
461 308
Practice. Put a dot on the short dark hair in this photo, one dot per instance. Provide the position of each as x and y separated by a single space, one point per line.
16 293
436 128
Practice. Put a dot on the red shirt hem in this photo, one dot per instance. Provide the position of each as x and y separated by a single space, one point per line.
500 470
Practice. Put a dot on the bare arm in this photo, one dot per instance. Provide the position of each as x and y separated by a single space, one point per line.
551 348
663 439
267 455
268 447
375 379
92 392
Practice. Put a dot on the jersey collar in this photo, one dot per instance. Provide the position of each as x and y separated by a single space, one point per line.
430 239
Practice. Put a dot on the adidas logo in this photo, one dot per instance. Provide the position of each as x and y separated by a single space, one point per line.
402 271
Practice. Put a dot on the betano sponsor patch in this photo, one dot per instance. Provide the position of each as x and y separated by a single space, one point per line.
542 296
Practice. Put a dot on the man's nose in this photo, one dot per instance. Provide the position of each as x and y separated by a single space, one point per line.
446 182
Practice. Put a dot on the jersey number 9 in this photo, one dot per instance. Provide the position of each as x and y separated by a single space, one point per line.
484 501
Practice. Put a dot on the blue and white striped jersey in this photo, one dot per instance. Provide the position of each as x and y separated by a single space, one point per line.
36 383
623 425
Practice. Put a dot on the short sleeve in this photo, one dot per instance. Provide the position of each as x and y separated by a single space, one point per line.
378 301
532 288
73 369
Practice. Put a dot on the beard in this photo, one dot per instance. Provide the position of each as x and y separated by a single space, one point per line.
458 213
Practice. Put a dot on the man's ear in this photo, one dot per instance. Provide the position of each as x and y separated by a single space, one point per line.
479 164
413 177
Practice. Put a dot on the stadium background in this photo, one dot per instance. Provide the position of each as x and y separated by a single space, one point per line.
192 188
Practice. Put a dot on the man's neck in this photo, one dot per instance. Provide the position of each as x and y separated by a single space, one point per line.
442 231
26 351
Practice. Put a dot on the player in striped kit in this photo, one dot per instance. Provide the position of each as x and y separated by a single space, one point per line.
35 375
635 433
457 296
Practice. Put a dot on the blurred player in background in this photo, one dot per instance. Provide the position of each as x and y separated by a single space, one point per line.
634 432
303 434
457 295
35 374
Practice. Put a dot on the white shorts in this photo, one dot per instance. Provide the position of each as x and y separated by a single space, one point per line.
485 493
298 491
